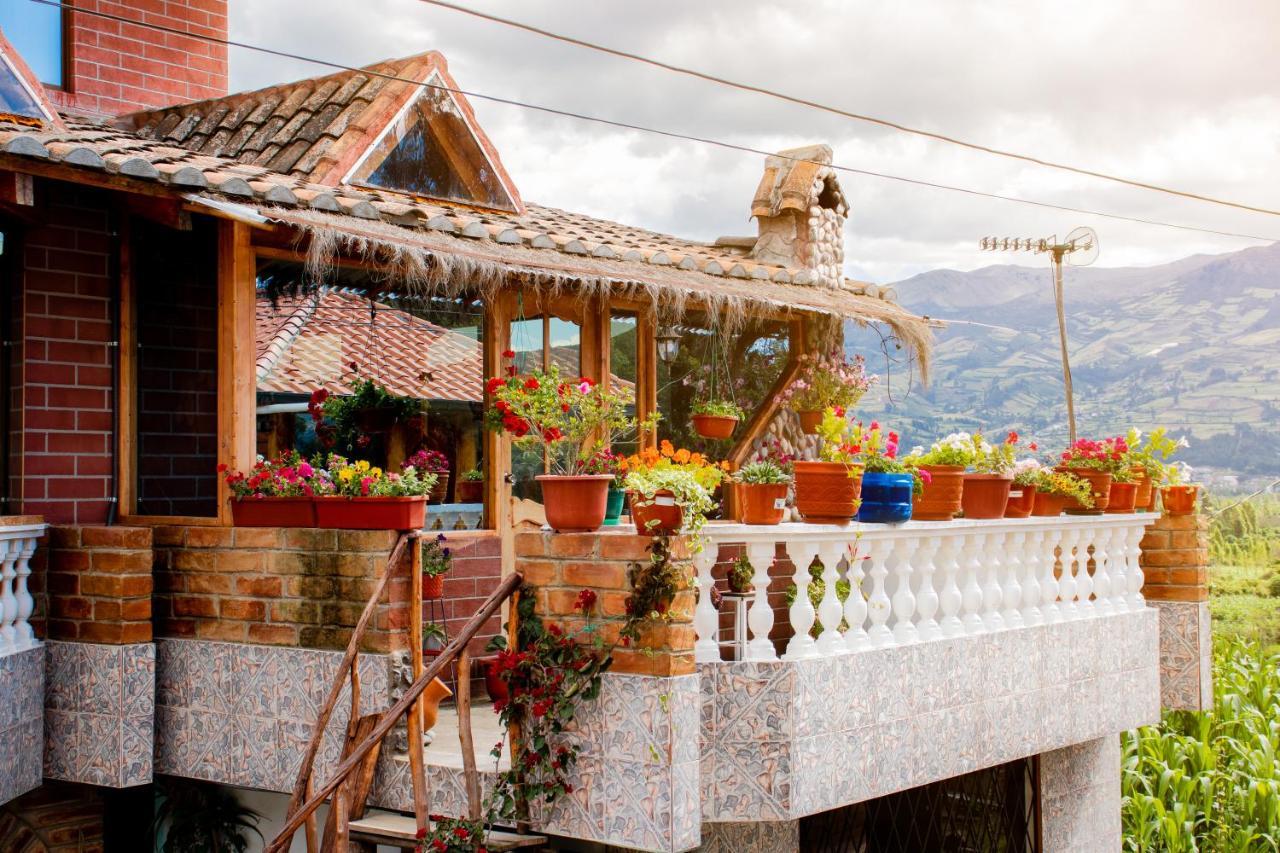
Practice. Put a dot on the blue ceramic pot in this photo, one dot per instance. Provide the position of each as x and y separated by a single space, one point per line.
886 498
613 507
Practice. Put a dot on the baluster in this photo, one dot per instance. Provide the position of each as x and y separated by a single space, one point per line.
1014 561
1067 583
8 601
971 596
830 611
706 619
927 597
878 604
1050 587
1084 580
26 604
1133 538
1118 570
904 600
1029 546
1102 572
992 594
855 606
802 613
760 616
949 548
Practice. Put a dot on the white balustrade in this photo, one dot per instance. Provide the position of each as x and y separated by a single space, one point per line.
914 582
17 545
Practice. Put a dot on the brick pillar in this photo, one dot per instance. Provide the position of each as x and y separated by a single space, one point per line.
99 584
1175 565
561 565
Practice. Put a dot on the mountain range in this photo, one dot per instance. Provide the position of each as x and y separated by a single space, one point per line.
1193 345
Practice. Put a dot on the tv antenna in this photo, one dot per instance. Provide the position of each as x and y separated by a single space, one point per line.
1079 249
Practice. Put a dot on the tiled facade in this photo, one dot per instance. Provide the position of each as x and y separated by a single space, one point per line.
1186 655
99 713
786 739
21 722
1080 797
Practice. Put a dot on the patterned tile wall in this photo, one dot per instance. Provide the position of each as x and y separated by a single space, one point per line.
1186 655
21 722
1080 797
99 713
785 739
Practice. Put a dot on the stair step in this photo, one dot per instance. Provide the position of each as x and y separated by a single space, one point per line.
402 830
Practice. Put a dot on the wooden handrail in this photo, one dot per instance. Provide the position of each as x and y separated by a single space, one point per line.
389 717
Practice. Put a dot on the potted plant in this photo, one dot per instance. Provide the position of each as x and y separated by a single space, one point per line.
670 489
470 487
370 408
716 418
605 461
828 490
437 463
945 462
1124 491
762 491
494 684
889 487
1055 489
437 559
361 496
1178 495
739 575
1022 494
274 493
987 486
1149 458
824 382
1097 462
560 416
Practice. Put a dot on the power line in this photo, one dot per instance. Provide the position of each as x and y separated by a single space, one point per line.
641 128
805 102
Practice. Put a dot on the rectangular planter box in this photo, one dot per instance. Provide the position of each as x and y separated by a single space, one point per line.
273 512
409 513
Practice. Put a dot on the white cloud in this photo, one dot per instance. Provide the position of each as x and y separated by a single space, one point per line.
1175 93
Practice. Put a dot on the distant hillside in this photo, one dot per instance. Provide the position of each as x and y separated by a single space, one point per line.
1193 345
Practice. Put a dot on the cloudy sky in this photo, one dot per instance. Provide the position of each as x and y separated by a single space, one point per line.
1182 94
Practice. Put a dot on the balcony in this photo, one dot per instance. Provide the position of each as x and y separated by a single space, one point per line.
21 661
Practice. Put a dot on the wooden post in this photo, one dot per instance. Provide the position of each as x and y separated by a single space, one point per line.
514 739
647 373
126 381
237 374
417 761
463 705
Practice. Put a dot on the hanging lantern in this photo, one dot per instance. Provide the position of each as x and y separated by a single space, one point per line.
668 343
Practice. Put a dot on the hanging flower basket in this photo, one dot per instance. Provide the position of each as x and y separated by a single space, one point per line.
714 426
372 513
376 420
440 491
809 421
273 512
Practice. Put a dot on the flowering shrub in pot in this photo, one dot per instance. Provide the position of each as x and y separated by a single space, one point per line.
889 487
562 417
1178 495
716 418
987 486
945 462
1054 489
762 491
824 382
605 461
1022 494
437 559
470 487
1150 458
361 496
369 409
1098 462
828 490
739 575
437 463
273 493
671 489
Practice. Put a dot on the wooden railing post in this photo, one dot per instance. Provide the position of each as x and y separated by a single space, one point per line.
417 761
463 703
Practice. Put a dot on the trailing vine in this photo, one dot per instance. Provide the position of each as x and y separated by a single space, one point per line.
654 584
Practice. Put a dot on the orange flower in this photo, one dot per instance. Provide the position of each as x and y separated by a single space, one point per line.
667 449
681 456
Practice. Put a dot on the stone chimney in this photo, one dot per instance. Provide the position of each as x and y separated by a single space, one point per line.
800 212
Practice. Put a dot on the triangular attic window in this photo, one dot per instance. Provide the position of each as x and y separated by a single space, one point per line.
430 150
16 97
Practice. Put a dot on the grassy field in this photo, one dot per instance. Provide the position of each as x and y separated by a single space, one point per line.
1244 576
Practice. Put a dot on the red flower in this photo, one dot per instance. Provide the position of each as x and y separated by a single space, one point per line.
586 600
1012 438
531 383
222 466
1032 447
507 353
492 386
462 832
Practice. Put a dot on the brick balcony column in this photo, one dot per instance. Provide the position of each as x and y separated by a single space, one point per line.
1175 566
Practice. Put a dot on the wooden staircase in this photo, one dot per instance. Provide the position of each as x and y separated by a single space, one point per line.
396 830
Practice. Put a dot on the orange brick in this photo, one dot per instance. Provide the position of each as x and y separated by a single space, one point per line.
218 629
1175 593
307 612
208 537
256 537
612 604
1180 558
193 561
176 627
63 629
367 540
538 572
122 561
263 586
193 605
630 546
1189 577
168 535
273 635
111 633
64 537
1188 539
135 609
105 585
659 635
355 565
136 632
1177 522
70 607
530 544
132 586
560 601
209 583
288 562
1156 540
311 539
246 609
235 560
642 662
106 609
579 545
62 560
682 607
601 575
116 537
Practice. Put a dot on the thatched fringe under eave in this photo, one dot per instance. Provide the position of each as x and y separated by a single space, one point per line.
426 262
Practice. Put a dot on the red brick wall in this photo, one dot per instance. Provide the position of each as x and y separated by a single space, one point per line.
98 584
119 67
64 367
1175 559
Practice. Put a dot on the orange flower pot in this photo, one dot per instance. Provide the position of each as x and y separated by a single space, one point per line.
343 513
575 502
469 491
1146 489
440 491
657 515
1022 500
714 426
432 587
1099 481
809 421
1045 505
1179 500
431 696
1122 498
827 492
761 503
985 495
941 498
273 512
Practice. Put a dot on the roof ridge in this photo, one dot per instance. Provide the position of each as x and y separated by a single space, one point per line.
288 333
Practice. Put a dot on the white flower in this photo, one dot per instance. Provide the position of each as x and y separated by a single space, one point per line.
1182 442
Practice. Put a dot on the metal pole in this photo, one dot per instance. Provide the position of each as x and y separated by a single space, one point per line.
1062 337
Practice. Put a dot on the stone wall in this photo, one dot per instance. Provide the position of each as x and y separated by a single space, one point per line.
1175 565
21 722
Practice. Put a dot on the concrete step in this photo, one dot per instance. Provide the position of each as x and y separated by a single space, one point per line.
399 830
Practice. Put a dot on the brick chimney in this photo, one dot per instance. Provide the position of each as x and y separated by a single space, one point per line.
800 212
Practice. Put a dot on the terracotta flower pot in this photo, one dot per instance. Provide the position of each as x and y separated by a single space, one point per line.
761 503
1021 501
941 498
1146 489
575 502
432 587
1046 505
493 683
657 515
431 697
338 512
827 492
1179 500
985 495
809 421
1150 505
440 491
273 512
469 491
714 426
1122 497
1099 481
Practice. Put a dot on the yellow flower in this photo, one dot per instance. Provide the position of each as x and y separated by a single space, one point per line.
363 465
346 474
375 473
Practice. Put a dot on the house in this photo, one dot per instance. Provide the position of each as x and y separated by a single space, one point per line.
172 257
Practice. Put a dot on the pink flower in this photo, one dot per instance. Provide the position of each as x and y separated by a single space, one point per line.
925 477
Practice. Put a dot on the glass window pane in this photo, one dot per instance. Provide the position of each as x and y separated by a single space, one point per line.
539 342
623 327
35 31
